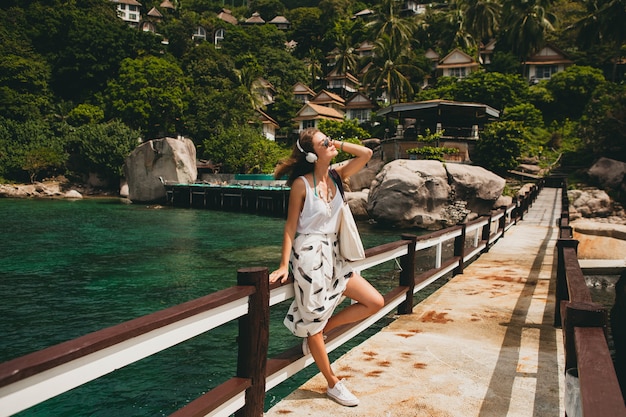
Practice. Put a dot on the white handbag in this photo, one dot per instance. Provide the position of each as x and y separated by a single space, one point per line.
350 245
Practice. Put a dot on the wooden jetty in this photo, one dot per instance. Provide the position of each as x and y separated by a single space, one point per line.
265 199
493 341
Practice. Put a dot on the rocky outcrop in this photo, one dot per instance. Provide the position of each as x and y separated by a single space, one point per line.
46 189
431 195
592 203
608 173
158 161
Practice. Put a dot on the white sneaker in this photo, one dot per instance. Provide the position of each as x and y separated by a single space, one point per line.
342 395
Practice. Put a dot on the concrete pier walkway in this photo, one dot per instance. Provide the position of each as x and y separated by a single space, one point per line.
482 345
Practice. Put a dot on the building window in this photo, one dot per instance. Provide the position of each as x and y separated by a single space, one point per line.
133 17
219 37
362 115
457 72
308 123
199 34
545 71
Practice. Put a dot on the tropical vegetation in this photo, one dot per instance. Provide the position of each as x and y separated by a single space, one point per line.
80 88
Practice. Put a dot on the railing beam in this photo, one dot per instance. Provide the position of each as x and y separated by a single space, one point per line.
407 275
254 340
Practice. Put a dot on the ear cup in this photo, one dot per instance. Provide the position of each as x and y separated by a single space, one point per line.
310 156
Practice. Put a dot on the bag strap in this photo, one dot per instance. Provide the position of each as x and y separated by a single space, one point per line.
338 182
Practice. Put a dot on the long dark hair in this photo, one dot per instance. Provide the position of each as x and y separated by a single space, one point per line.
296 164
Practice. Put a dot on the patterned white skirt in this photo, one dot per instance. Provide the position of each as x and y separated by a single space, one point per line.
320 278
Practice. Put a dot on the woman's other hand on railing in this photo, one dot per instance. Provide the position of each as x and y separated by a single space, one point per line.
280 274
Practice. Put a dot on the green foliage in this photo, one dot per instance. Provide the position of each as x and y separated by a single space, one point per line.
572 89
101 149
603 125
437 153
71 64
430 137
148 95
525 113
28 149
242 149
344 130
85 114
492 88
42 159
500 146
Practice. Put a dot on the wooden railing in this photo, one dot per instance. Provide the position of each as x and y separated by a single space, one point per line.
36 377
584 325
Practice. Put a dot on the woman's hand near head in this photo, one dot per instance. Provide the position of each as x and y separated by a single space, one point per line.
362 155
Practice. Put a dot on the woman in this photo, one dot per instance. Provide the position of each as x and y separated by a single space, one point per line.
322 277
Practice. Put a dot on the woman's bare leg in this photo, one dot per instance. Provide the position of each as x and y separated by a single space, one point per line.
318 351
368 301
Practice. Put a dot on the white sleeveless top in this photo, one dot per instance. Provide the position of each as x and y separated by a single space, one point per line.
315 217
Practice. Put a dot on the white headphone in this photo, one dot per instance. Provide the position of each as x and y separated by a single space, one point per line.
310 156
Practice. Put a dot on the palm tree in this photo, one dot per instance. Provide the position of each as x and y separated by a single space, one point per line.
389 22
481 17
604 24
249 78
388 71
345 57
525 25
313 62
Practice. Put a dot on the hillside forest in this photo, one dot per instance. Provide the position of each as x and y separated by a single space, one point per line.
80 87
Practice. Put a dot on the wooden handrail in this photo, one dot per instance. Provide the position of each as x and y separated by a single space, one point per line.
585 330
249 302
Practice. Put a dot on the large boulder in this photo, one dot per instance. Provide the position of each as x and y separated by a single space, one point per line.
609 173
431 195
157 161
477 186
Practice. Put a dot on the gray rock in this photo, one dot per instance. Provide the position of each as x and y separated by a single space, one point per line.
477 186
173 160
431 195
73 194
410 194
589 203
608 172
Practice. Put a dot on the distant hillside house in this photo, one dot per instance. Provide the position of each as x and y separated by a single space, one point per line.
302 93
269 125
311 114
359 107
365 14
227 16
129 11
281 23
456 64
328 99
343 84
459 123
545 63
486 52
255 19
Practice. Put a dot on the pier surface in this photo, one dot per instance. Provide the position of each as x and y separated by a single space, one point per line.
482 345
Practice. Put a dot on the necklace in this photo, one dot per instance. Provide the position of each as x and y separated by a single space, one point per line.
326 200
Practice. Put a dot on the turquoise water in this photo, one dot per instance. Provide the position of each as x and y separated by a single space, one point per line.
73 267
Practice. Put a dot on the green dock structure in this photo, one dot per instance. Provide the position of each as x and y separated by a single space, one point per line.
483 345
